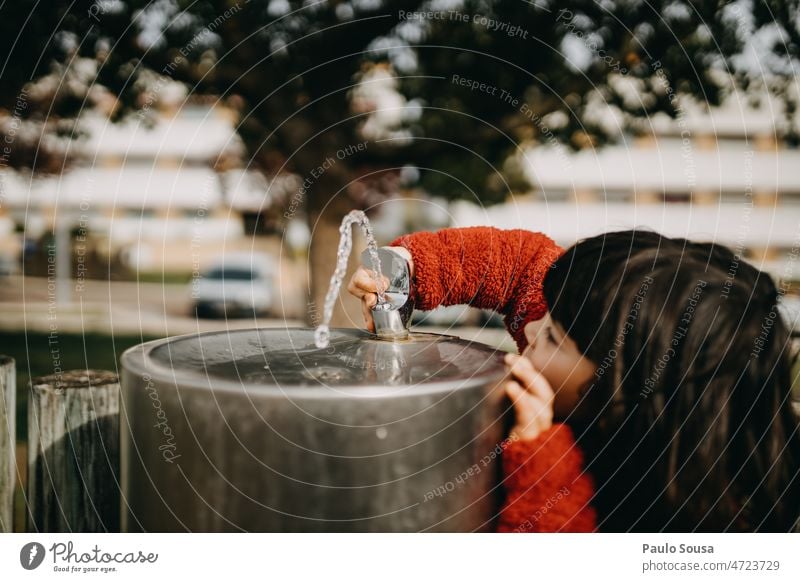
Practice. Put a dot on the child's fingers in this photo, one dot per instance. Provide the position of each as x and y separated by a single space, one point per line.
529 377
358 285
533 415
363 281
514 390
522 397
369 322
526 405
362 286
515 393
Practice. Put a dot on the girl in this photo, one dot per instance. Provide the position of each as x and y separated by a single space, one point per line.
664 362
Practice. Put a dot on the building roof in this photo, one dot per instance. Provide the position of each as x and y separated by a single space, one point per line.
194 135
667 166
251 191
125 187
731 224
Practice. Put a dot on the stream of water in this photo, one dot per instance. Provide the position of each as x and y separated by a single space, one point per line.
322 333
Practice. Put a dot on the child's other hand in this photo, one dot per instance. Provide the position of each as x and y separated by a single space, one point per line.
532 396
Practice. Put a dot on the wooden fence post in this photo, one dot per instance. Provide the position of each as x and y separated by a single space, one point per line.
8 441
73 452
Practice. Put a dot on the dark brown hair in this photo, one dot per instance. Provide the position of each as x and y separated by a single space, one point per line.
692 426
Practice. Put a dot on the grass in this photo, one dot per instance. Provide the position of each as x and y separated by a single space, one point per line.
165 278
32 352
35 357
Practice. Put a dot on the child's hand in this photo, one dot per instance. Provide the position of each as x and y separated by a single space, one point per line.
532 396
362 285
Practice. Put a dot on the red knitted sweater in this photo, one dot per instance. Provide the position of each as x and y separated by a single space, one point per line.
546 487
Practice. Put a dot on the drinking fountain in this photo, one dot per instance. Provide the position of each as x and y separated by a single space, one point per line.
392 315
314 430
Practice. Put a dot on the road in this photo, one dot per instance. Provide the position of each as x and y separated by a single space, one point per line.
118 307
147 309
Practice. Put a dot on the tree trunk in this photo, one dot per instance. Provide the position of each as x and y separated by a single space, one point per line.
73 452
8 433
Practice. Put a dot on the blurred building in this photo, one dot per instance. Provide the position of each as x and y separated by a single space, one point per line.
161 198
723 175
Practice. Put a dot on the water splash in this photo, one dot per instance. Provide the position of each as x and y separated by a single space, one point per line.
322 333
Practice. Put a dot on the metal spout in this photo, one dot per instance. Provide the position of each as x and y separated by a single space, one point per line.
392 316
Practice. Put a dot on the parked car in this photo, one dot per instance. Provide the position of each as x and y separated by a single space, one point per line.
236 285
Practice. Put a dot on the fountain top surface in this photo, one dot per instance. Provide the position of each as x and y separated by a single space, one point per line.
288 357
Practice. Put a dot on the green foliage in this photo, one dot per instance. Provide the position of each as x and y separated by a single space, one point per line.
288 67
34 354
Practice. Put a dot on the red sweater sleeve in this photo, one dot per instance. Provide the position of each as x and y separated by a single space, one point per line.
484 267
547 488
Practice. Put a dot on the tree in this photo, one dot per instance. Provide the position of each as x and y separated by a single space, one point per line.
480 78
